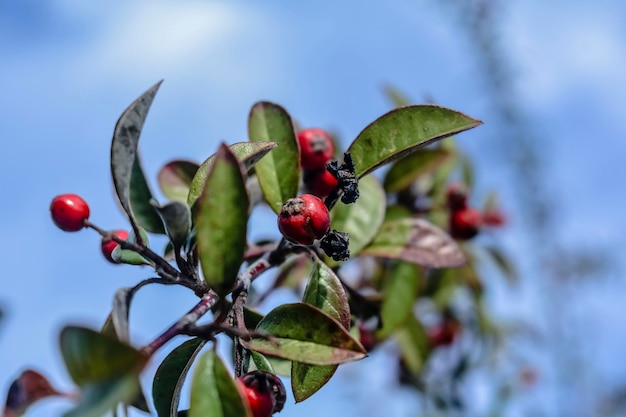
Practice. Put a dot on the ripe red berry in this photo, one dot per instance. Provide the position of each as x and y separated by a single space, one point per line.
304 219
316 148
494 217
444 333
69 212
320 182
263 391
456 196
465 223
108 245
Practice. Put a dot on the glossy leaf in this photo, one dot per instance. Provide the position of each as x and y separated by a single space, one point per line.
303 333
248 153
176 218
222 222
124 151
407 170
324 291
127 256
413 344
213 390
175 179
417 241
170 376
361 219
92 356
403 131
279 172
257 362
400 291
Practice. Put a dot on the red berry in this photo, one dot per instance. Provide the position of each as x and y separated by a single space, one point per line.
456 196
443 334
69 212
316 148
264 392
320 182
465 223
494 217
304 219
108 245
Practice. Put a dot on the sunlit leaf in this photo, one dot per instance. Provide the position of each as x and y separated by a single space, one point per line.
213 390
403 131
417 241
278 172
303 333
124 158
170 376
222 222
324 291
361 219
248 153
175 179
407 170
257 362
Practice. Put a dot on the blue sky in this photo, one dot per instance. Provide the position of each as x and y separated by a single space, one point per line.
69 68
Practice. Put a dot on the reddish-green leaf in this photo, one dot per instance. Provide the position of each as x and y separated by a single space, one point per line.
408 169
222 222
324 291
213 390
176 218
175 178
361 219
28 388
128 179
248 153
403 131
303 333
170 377
279 172
417 241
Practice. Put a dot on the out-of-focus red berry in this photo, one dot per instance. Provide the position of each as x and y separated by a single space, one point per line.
464 224
304 219
264 392
456 196
316 148
320 183
108 245
494 217
69 212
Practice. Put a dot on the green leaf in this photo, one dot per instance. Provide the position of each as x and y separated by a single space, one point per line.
127 256
324 291
417 241
98 398
256 361
403 131
303 333
213 390
248 153
222 222
91 356
362 219
176 218
170 376
413 344
279 172
400 289
175 179
141 200
395 96
407 170
124 161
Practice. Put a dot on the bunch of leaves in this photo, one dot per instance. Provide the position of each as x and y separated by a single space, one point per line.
406 249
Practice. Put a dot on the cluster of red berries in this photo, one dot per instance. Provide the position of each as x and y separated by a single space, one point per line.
465 221
70 213
263 391
316 150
